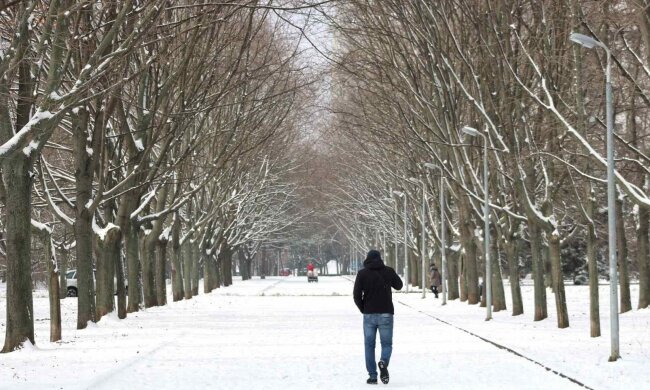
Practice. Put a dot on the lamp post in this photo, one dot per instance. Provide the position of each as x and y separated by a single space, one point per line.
395 229
422 236
406 262
486 220
590 43
443 231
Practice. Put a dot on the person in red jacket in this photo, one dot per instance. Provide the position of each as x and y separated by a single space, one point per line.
310 267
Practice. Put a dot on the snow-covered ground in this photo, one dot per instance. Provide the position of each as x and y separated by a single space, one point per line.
285 333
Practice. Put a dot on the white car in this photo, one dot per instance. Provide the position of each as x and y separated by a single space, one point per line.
71 281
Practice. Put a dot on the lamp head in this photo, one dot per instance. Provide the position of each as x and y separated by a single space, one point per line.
470 131
431 166
584 40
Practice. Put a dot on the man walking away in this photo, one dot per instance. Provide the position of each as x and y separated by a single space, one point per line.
373 296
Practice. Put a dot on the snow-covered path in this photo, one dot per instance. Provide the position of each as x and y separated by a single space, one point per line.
278 333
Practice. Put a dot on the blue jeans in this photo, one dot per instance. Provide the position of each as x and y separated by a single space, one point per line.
371 323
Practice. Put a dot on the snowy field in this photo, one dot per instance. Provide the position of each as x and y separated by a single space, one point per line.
285 333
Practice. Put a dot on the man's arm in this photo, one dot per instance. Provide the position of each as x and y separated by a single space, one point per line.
396 281
357 293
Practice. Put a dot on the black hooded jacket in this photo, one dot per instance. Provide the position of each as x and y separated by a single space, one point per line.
372 288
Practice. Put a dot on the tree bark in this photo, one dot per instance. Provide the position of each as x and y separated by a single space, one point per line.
226 264
55 303
413 269
133 267
109 249
592 263
208 275
642 258
621 248
463 275
17 181
176 274
195 267
161 270
538 272
148 272
119 280
83 231
186 248
52 282
558 280
498 294
470 268
511 247
452 276
106 265
63 270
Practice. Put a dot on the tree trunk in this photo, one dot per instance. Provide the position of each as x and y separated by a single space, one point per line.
196 270
413 269
470 255
481 271
556 266
85 275
186 248
176 274
463 276
592 264
119 280
621 249
413 266
109 252
207 271
217 273
229 262
642 225
452 276
548 267
148 263
498 294
538 272
63 270
226 264
83 231
133 267
511 247
55 303
53 284
17 181
161 271
206 276
642 258
390 255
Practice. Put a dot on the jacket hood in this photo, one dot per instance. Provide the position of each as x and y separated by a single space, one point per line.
373 263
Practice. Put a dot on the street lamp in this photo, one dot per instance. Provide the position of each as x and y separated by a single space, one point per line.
406 261
443 232
422 236
590 43
395 227
486 219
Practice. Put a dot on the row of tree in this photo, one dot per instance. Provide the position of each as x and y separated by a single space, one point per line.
142 140
412 73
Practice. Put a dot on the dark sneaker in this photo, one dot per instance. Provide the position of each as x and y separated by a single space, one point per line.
372 381
383 372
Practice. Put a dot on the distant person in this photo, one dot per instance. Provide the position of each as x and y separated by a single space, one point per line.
310 267
435 280
373 296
